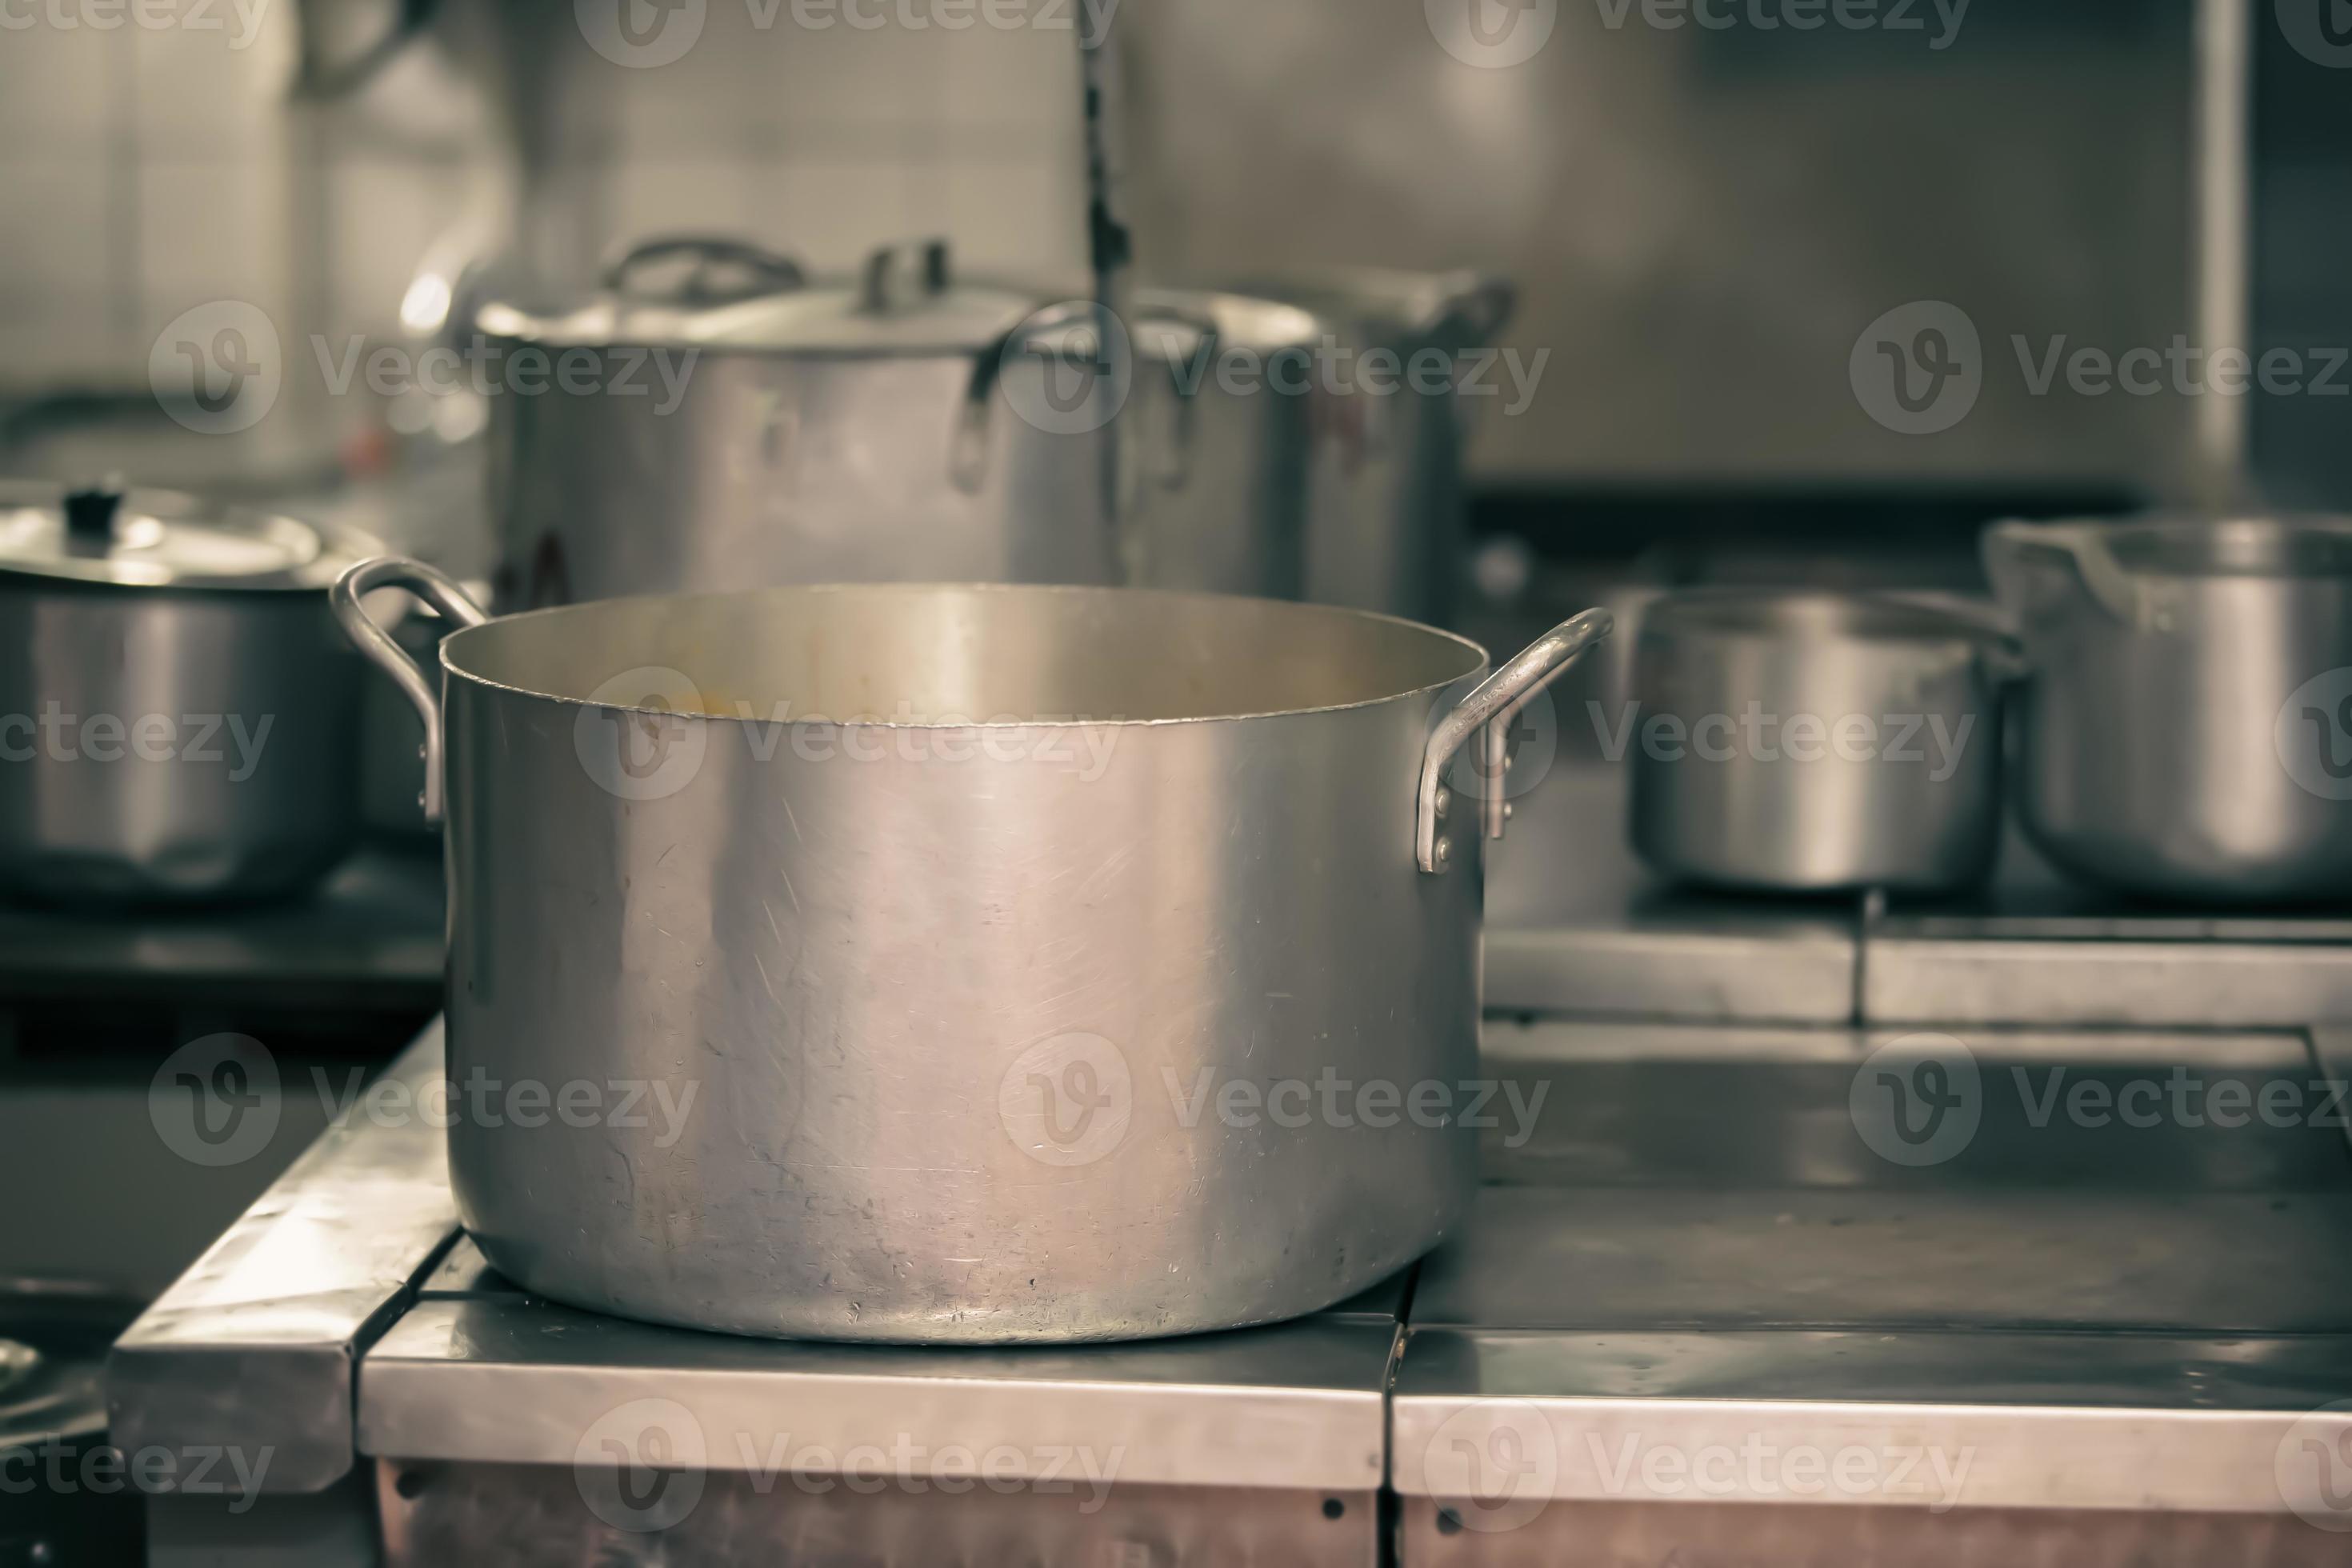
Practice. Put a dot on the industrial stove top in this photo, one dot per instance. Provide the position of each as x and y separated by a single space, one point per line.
2013 1232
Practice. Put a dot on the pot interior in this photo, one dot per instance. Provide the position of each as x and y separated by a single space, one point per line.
955 655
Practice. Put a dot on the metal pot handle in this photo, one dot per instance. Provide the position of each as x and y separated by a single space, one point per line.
1483 304
881 287
1491 708
769 272
968 456
1177 465
378 644
2075 551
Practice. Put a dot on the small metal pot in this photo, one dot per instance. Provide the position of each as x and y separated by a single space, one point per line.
1814 741
178 720
941 992
2187 710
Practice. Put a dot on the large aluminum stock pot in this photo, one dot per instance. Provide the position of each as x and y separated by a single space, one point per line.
989 964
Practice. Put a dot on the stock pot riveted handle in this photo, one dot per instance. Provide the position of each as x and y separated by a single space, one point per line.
436 589
1490 708
968 455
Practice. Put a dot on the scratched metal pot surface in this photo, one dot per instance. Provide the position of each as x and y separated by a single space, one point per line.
940 964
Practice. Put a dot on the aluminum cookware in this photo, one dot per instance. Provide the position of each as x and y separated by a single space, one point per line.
1798 740
987 964
1386 490
1220 418
2185 725
732 424
177 714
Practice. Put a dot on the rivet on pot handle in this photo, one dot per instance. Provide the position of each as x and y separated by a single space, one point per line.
436 589
1491 708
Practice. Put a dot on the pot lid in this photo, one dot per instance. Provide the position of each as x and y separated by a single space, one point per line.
1400 307
727 295
1171 322
155 539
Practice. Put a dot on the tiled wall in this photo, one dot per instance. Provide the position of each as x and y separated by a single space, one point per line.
150 169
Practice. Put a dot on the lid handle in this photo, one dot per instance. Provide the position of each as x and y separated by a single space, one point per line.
882 285
90 512
756 271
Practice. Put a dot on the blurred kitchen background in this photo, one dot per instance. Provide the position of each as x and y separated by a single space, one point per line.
1700 223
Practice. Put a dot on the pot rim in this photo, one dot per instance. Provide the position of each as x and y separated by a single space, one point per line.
2246 530
1480 660
1938 620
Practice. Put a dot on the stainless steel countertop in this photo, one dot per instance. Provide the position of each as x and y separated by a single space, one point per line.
255 1348
1692 1247
1299 1406
1577 925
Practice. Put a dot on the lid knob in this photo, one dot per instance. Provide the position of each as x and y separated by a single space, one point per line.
90 512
